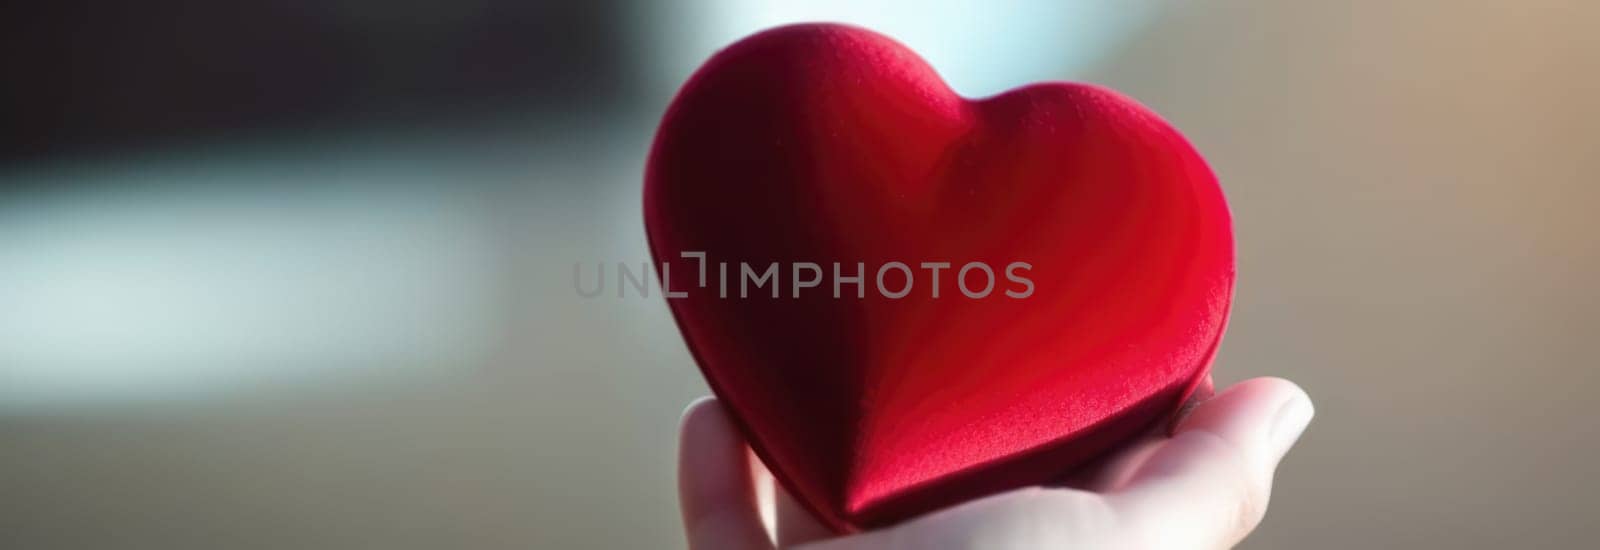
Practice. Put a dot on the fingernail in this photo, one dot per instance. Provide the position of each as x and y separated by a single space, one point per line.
1291 421
692 405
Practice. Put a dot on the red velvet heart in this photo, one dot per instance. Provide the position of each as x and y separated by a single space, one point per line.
823 144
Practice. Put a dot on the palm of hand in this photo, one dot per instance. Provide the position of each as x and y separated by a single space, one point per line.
1205 485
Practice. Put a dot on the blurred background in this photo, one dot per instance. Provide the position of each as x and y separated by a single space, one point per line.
294 274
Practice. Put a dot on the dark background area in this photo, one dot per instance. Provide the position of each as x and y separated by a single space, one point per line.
83 77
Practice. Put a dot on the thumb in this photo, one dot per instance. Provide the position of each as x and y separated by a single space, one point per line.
716 488
1208 486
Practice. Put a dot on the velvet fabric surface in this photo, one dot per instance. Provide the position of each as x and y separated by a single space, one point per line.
874 383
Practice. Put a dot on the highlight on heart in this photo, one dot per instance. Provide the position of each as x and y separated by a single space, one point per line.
894 280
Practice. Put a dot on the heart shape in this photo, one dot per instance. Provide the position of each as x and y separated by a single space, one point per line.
835 147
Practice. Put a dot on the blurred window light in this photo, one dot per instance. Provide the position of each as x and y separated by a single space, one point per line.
981 48
158 281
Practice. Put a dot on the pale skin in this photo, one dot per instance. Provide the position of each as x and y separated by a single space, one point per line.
1203 483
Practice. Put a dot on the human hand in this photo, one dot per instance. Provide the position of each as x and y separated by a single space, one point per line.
1204 486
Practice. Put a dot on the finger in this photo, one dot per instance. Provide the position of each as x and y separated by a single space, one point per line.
766 487
1208 486
796 525
1202 393
715 487
1117 467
